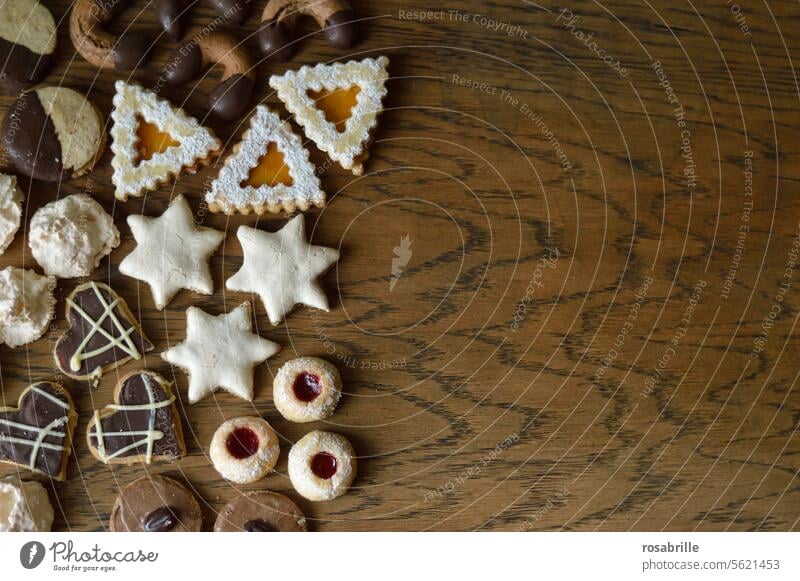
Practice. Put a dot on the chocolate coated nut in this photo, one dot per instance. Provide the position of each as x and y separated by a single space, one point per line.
340 31
171 14
161 520
131 50
229 100
275 40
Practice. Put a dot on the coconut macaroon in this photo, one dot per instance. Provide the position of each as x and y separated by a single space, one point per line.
26 305
24 506
306 389
69 237
10 210
322 465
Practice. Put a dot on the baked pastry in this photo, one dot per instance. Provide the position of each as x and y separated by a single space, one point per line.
53 134
268 171
260 512
156 504
37 434
26 305
27 44
322 465
282 268
220 352
142 425
337 105
306 389
102 333
10 210
69 237
172 252
24 507
244 450
154 142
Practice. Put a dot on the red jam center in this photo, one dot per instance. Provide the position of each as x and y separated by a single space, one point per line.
242 443
307 387
323 465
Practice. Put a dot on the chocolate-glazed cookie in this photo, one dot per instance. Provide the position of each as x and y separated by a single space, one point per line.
141 425
27 44
155 504
37 434
261 512
53 133
102 333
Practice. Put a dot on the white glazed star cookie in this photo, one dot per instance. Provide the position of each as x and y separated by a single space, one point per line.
282 268
220 352
172 252
153 141
337 105
69 237
10 210
269 170
26 305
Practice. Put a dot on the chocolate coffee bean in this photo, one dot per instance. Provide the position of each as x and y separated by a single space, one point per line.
161 520
258 526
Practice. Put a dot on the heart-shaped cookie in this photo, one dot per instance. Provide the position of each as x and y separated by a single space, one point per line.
37 433
141 425
102 333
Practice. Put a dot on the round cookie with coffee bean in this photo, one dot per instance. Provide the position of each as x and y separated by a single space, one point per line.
261 512
156 504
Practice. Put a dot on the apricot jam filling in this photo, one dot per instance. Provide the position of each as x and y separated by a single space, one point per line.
150 140
270 170
336 105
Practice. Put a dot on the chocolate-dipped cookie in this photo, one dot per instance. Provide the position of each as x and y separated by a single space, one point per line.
103 333
37 434
260 512
99 47
27 44
53 133
142 425
156 504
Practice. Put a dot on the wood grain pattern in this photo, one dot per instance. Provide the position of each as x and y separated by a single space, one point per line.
577 342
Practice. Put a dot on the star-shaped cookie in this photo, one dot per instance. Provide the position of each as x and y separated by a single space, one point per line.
282 268
220 352
172 252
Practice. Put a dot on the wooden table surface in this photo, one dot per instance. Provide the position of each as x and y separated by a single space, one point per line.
596 328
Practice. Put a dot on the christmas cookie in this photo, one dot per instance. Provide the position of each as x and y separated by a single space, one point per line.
306 389
232 96
156 504
27 44
172 252
53 134
142 425
220 353
26 305
37 434
244 450
24 507
337 105
322 465
10 210
268 171
101 48
276 34
282 268
154 142
103 333
260 512
70 236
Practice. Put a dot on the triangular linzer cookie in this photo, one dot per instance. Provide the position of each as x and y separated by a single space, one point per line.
153 142
337 105
269 170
